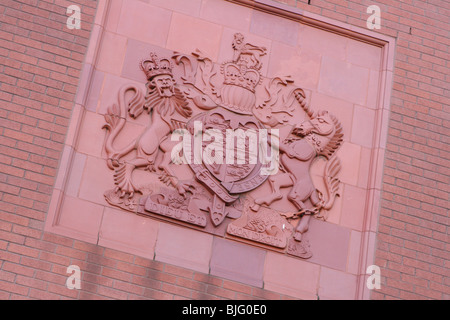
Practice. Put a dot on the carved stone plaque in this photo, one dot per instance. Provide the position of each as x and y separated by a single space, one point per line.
265 226
248 143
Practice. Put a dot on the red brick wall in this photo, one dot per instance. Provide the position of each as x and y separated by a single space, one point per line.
40 68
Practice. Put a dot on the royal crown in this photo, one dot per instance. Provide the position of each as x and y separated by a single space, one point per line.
238 90
240 78
155 66
239 75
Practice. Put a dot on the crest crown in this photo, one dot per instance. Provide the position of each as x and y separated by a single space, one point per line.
156 66
240 75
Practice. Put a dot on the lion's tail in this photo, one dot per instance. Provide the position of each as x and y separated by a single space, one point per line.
115 118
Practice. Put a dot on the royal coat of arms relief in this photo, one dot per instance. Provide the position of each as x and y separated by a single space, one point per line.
244 144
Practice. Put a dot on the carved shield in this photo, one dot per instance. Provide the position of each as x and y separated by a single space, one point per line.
238 168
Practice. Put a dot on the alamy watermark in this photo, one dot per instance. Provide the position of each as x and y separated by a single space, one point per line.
74 20
374 280
374 20
235 147
74 280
